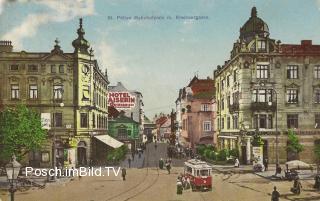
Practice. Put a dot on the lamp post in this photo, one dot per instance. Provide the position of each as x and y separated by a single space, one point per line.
12 169
58 91
273 91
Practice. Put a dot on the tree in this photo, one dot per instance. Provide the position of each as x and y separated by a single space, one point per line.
20 132
294 145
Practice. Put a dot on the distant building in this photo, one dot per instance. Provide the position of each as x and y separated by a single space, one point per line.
149 130
128 101
44 80
267 87
195 113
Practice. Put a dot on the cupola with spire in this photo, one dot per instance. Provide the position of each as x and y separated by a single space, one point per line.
80 44
254 26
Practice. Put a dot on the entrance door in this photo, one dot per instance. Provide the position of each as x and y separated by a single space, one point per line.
82 153
243 154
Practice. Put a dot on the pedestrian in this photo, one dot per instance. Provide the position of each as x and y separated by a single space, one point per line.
161 163
265 163
179 187
275 195
123 173
129 162
168 166
132 154
237 163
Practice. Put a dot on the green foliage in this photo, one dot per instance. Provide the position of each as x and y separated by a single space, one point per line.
117 154
200 149
20 132
293 143
223 154
234 153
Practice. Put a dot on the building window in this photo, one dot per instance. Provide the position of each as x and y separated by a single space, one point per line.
235 122
219 123
14 91
207 126
14 67
317 72
228 101
292 72
262 121
262 95
228 80
83 120
57 117
122 133
61 69
222 104
222 123
33 91
57 92
53 69
228 123
270 121
292 121
317 95
234 76
235 97
205 107
262 71
32 68
317 120
222 85
292 96
261 46
218 88
93 120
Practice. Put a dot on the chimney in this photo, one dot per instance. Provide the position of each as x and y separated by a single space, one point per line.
306 42
6 46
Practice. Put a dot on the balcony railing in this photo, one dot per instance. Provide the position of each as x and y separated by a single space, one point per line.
263 106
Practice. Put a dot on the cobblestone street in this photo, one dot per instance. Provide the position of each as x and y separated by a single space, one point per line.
150 183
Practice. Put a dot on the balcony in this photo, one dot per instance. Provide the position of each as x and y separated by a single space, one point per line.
263 106
234 108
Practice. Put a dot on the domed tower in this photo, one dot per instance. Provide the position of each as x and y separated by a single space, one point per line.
254 26
80 44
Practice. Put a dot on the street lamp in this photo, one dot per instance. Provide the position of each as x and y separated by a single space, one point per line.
58 91
12 169
273 91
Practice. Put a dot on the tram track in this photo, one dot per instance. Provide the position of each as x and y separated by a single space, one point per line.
138 189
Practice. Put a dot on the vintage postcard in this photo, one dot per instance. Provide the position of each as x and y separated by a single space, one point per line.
162 100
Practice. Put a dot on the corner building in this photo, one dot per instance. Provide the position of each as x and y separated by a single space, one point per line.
267 87
69 88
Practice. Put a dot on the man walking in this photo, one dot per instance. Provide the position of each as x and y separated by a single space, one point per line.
275 195
123 173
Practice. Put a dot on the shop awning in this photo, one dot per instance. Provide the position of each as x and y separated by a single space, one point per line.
109 141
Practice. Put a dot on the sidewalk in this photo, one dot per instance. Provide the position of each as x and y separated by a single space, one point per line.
135 163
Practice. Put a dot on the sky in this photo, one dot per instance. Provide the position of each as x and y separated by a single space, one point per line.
154 56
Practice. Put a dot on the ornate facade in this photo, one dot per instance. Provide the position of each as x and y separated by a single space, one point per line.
268 88
69 87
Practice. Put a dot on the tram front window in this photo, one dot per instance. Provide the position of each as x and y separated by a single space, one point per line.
204 173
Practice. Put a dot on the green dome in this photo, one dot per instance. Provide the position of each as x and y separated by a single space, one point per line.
81 44
254 26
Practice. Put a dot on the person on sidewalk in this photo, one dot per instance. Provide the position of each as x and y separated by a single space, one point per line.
168 166
123 173
161 163
237 163
275 195
129 162
265 163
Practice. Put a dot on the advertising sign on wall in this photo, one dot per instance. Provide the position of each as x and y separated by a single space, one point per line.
121 100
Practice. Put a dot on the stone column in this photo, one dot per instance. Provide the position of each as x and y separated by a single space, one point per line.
248 146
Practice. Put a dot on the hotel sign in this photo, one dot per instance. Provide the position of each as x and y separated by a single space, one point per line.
121 100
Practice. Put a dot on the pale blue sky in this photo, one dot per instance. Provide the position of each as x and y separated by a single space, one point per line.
154 57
